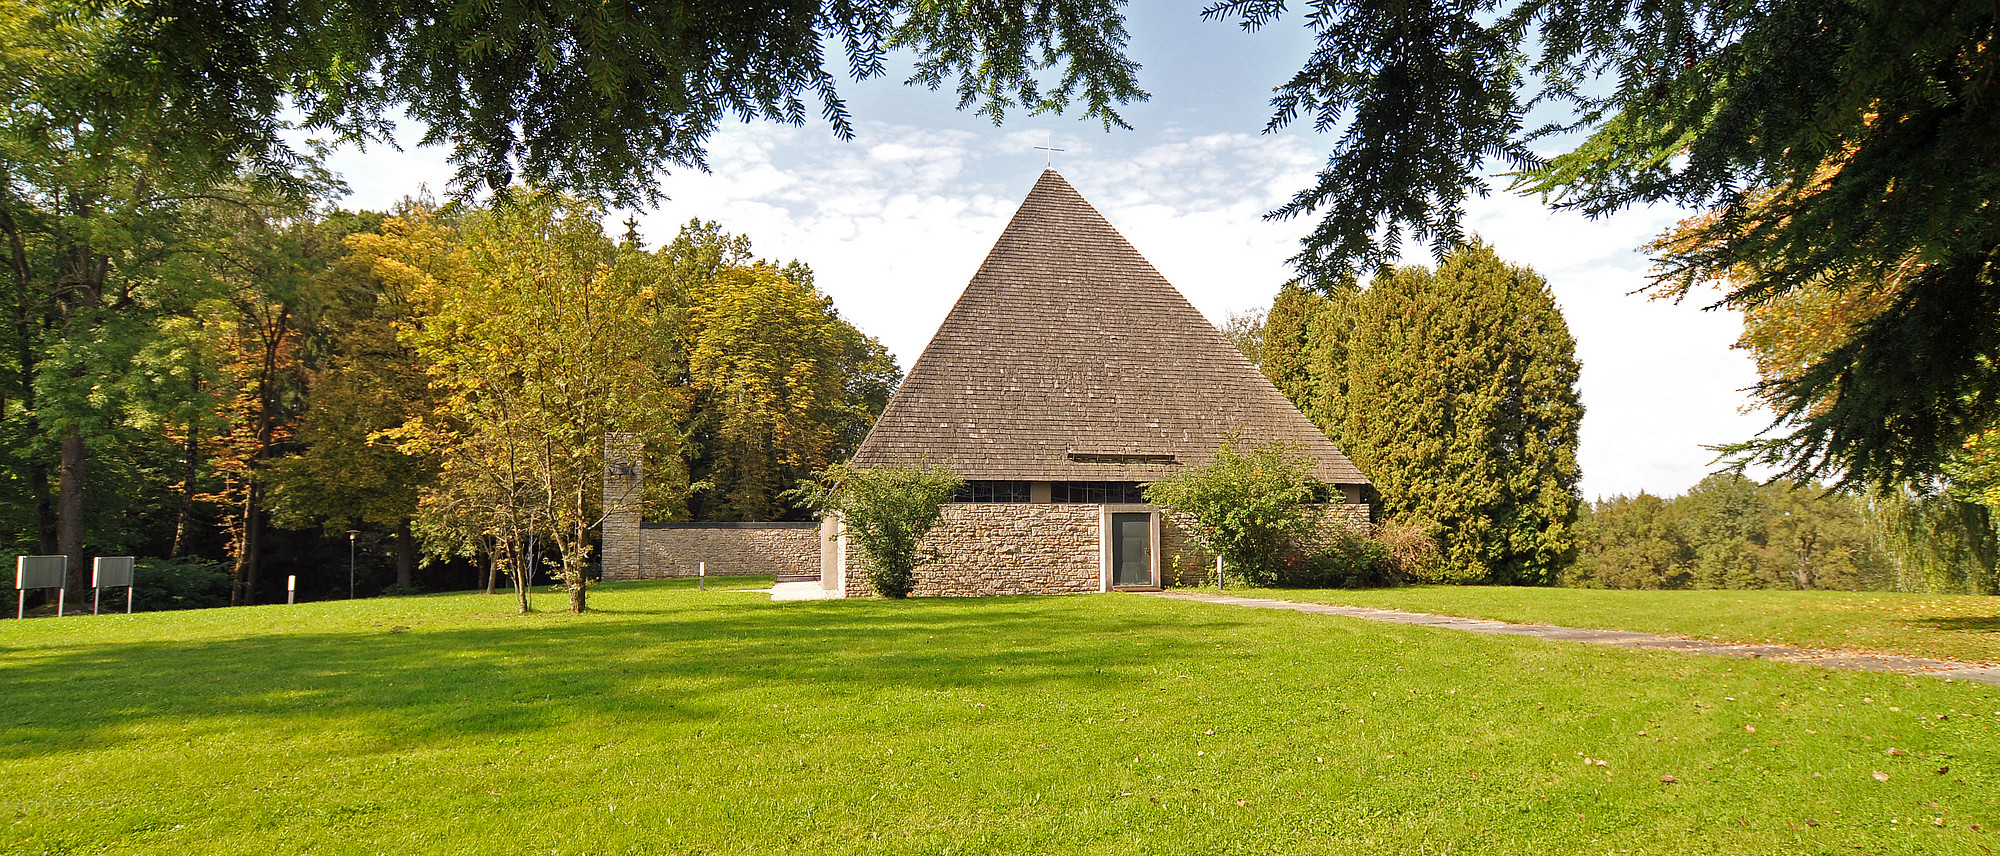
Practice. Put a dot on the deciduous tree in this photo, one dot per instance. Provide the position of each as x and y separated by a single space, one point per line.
783 387
346 471
540 337
1730 532
1248 506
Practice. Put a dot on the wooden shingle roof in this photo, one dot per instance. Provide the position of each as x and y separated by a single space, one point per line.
1069 358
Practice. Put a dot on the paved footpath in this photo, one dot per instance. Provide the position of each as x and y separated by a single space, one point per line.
1979 672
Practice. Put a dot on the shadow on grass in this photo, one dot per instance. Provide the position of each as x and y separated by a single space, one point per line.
692 663
1965 623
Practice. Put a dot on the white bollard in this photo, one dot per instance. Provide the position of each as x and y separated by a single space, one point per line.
1218 573
701 570
291 589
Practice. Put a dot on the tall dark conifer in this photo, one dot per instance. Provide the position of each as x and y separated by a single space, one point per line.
1461 406
1305 351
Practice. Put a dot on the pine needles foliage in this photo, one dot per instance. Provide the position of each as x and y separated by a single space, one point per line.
1843 142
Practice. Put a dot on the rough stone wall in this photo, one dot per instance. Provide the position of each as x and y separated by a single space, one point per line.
729 549
1182 563
1349 516
1001 548
622 507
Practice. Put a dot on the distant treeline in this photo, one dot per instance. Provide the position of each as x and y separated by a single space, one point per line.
1729 532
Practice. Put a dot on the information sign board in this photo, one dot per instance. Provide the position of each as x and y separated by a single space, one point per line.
111 572
35 572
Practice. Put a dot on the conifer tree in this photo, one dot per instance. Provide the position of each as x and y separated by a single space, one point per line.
1305 351
1462 408
1284 351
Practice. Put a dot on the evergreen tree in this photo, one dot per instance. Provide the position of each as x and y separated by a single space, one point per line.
1282 350
1305 351
1462 408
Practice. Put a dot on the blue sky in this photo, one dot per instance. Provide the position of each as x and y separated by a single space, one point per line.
895 222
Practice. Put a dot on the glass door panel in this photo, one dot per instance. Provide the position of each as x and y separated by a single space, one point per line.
1132 549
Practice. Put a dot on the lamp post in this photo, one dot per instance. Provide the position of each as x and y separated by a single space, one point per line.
350 562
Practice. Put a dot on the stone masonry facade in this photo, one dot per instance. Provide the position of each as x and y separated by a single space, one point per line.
1041 548
983 548
1182 563
978 548
730 549
634 550
621 527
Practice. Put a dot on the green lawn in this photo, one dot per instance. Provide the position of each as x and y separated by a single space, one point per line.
1953 627
677 721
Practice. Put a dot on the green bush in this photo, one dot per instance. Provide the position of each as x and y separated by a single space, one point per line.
1347 560
1251 508
185 583
888 510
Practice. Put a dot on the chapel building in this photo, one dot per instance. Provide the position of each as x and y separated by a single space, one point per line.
1068 375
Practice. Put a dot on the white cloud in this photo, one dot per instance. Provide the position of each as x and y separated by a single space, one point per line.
1660 380
895 223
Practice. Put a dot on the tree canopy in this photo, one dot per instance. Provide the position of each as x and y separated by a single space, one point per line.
1730 532
591 98
1835 140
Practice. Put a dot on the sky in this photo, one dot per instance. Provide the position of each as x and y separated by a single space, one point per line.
895 222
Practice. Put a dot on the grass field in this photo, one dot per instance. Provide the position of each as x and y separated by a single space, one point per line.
1945 626
677 721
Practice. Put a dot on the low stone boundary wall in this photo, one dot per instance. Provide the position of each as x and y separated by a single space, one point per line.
730 549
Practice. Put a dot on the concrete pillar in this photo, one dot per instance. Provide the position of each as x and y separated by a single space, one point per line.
829 552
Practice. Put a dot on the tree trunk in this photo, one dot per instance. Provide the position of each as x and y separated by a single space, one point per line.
404 559
82 278
572 559
248 541
523 574
45 510
492 570
1804 570
69 511
25 357
184 518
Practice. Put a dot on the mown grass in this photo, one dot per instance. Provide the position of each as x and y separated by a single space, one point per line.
1952 627
677 721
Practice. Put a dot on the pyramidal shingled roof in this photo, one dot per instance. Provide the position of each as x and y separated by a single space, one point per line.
1069 358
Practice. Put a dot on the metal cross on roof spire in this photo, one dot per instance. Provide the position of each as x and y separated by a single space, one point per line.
1051 149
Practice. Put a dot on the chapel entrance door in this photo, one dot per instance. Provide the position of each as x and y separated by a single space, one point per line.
1131 549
